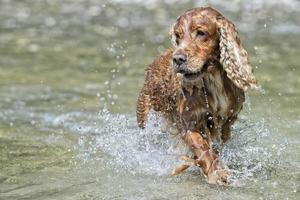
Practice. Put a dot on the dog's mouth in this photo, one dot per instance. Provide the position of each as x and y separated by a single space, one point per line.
190 76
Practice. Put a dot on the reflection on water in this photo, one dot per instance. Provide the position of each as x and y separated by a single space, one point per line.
70 74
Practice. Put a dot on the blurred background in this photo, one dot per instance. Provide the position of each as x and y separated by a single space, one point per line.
70 73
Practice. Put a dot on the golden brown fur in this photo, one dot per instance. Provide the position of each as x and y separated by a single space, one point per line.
198 85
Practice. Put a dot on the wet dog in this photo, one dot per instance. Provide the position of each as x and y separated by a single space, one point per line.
198 85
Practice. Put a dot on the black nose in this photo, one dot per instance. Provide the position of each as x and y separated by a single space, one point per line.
179 59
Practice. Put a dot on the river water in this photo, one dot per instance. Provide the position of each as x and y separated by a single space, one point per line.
70 73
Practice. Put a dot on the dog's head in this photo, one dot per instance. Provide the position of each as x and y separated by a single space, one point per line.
202 34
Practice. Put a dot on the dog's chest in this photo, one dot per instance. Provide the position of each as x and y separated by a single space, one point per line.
192 108
217 98
197 104
203 101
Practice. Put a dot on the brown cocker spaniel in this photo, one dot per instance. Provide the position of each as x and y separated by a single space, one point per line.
198 85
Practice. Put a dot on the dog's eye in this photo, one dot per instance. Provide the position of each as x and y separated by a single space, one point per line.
200 33
177 38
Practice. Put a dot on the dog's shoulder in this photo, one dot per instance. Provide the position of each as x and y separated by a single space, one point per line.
160 77
160 88
161 67
161 83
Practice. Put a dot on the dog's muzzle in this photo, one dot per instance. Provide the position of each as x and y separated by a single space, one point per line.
180 66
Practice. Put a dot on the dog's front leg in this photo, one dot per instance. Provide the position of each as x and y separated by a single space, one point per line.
206 159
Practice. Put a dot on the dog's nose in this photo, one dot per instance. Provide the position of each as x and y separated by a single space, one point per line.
179 59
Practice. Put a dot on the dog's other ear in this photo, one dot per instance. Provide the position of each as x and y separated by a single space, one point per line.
172 35
233 56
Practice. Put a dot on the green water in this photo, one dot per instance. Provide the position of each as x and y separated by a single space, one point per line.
70 73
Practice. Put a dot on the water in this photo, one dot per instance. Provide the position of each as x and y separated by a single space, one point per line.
70 75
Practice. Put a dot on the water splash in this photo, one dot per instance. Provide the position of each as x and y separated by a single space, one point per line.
155 152
150 151
252 152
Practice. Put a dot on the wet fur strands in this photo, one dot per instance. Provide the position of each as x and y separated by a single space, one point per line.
198 85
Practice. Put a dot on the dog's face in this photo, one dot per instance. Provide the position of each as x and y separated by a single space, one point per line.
195 38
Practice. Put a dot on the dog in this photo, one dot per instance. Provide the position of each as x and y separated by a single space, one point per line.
199 86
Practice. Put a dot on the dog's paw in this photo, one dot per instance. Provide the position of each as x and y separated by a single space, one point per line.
219 176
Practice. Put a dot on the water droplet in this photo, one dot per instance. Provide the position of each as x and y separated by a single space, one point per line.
50 21
33 48
94 11
115 96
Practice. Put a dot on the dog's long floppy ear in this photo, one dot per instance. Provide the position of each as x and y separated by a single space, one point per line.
233 56
172 36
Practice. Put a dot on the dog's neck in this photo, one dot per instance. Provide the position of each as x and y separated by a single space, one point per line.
191 86
210 68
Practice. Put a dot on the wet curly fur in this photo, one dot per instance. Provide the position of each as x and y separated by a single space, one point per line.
201 94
